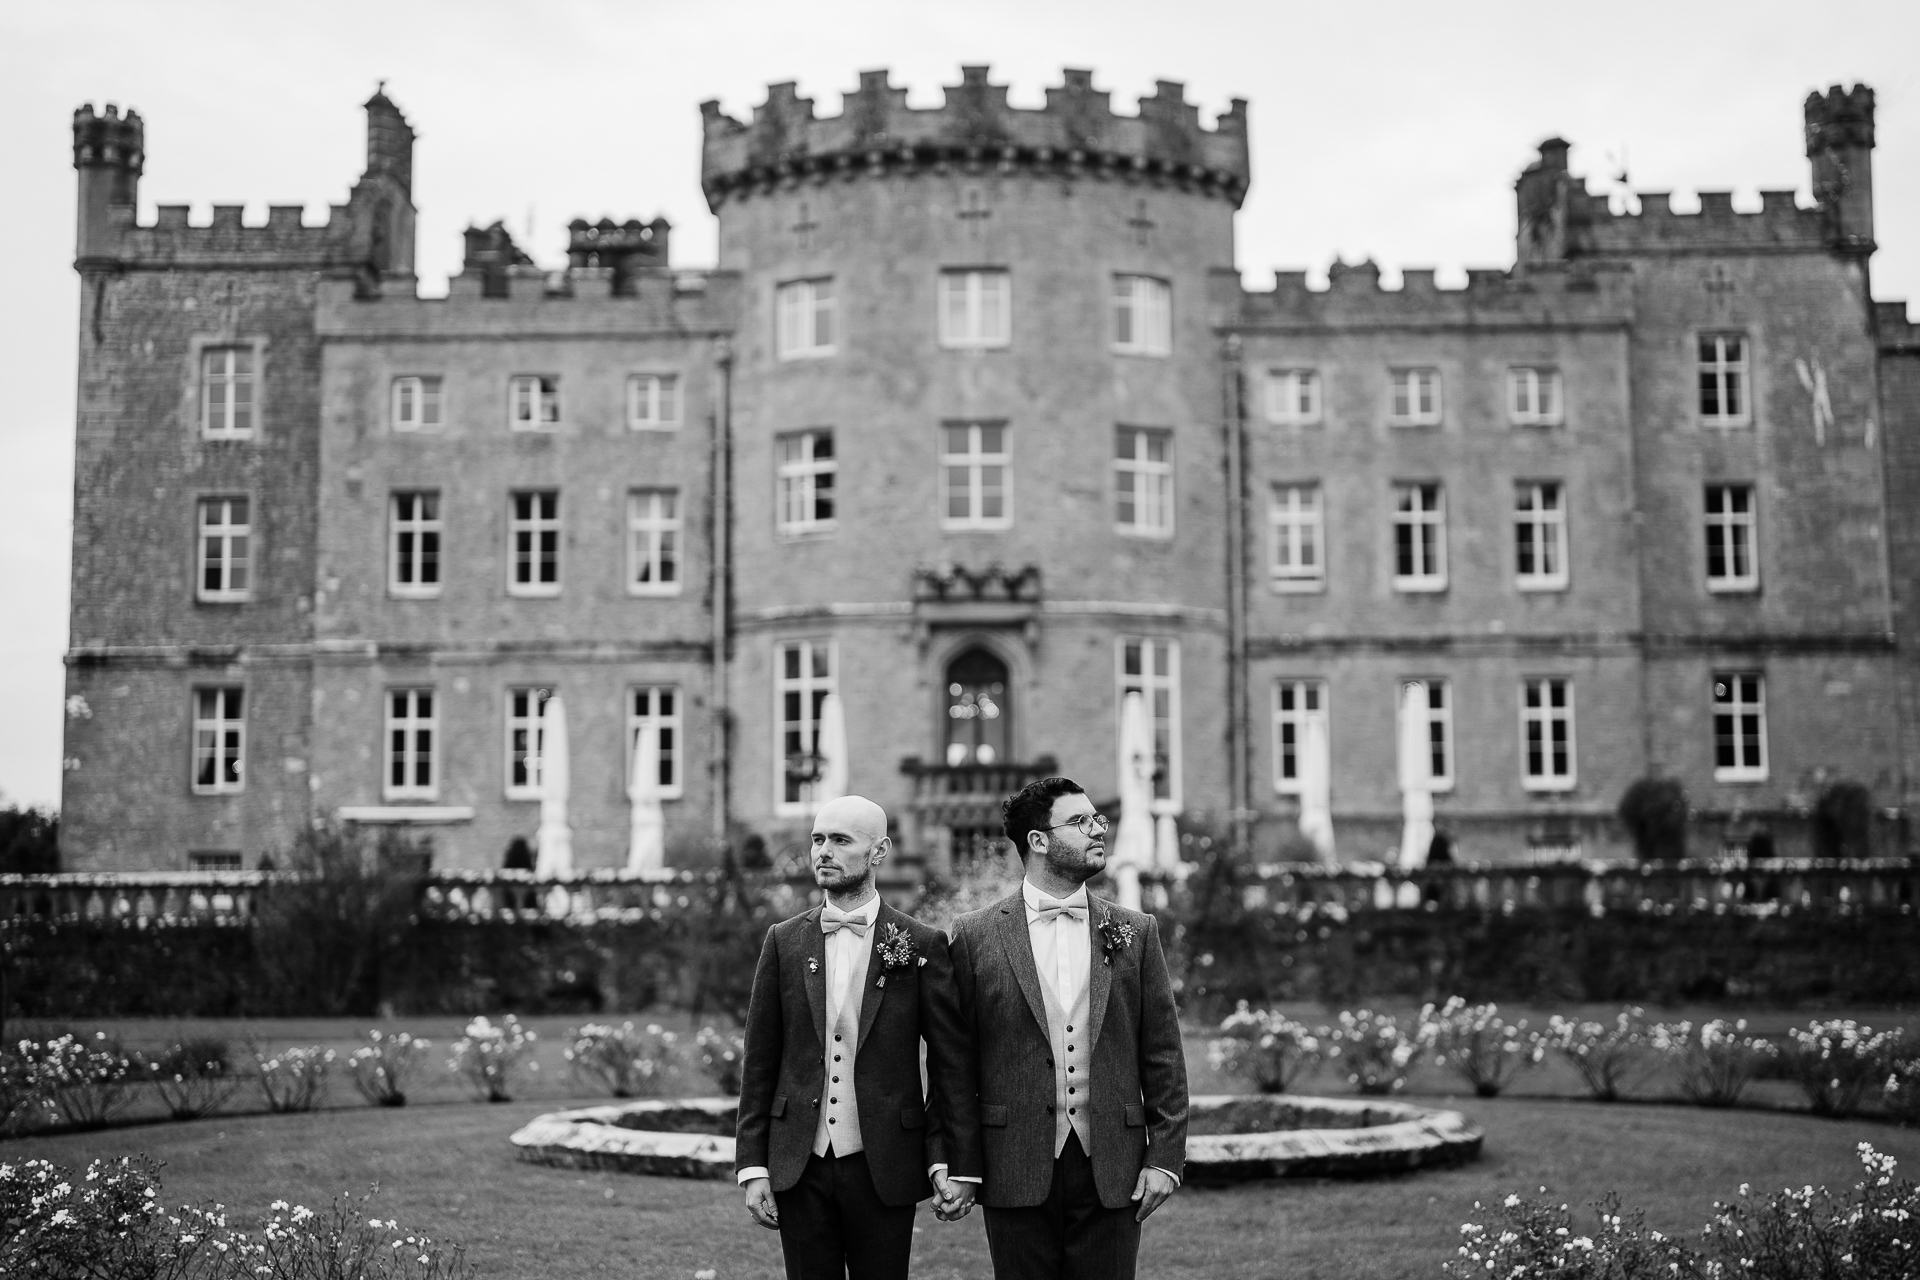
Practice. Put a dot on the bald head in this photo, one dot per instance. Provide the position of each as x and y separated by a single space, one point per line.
849 841
856 815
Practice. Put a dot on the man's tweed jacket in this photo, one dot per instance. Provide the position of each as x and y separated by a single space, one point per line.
1138 1094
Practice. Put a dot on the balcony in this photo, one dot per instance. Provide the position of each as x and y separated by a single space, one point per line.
954 813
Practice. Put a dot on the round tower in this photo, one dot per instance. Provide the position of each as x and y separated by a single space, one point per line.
109 150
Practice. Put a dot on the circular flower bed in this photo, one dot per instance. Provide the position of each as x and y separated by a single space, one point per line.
1231 1138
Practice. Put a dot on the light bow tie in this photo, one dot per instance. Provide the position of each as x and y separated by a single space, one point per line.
832 921
1053 909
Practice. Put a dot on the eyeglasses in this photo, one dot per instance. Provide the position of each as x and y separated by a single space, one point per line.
1089 824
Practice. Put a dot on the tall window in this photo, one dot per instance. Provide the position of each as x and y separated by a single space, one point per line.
1419 538
1415 398
975 308
1533 397
1295 702
410 745
1142 316
974 476
1152 669
1723 380
227 401
533 402
1739 727
524 741
653 542
659 706
1297 519
1546 733
413 555
533 531
1293 397
806 470
1143 481
416 403
653 401
226 539
804 678
1439 731
219 740
1539 535
1732 564
804 319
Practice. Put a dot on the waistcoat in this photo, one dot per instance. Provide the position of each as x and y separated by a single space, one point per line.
839 1125
1072 1060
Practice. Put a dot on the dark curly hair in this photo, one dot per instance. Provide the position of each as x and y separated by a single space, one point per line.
1028 809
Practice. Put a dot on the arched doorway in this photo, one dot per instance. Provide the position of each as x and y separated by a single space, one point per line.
979 707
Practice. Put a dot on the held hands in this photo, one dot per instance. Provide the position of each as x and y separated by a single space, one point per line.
760 1203
1150 1191
952 1200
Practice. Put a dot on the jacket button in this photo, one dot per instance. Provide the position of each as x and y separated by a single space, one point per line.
1049 1108
1049 1061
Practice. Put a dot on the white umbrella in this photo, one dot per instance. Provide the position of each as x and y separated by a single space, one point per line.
1166 843
830 744
1316 788
1132 845
647 844
1416 778
555 857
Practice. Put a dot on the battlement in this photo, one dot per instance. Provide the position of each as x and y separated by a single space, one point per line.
1077 134
493 300
1585 294
1780 223
1897 333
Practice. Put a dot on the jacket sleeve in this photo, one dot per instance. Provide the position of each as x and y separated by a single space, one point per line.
953 1134
1163 1062
760 1071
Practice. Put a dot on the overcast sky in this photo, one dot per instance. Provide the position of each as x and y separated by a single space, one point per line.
1385 130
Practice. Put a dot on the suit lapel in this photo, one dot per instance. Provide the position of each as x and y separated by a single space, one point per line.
1099 973
1018 945
813 946
870 995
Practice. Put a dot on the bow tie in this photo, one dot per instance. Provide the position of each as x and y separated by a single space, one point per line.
1053 909
832 920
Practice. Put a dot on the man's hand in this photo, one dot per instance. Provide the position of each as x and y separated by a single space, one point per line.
1150 1191
952 1200
760 1203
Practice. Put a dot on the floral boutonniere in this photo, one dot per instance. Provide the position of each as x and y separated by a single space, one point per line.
1114 937
896 952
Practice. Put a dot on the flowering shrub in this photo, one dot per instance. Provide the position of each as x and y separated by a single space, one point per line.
1901 1090
193 1077
1264 1047
88 1082
622 1060
1715 1067
1485 1049
1534 1238
1376 1053
380 1067
491 1057
1608 1057
22 1105
1837 1063
722 1054
293 1079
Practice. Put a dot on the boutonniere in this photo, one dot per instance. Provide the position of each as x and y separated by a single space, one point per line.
813 965
1114 937
896 951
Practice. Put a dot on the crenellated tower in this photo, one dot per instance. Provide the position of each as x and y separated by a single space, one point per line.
1840 146
109 151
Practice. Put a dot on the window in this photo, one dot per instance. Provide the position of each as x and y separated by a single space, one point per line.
1723 380
1539 536
410 745
653 401
1546 733
226 540
533 402
1142 316
1293 397
806 471
1739 727
416 403
803 680
1152 669
1439 731
804 319
659 706
1295 702
974 476
219 740
1731 562
1533 397
524 741
975 308
653 542
1298 522
213 861
1416 398
1419 538
1143 481
533 528
413 559
227 401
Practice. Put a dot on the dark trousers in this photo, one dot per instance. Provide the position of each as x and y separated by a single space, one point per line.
1068 1236
833 1226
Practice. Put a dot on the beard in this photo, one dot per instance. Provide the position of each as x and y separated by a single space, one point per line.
1069 863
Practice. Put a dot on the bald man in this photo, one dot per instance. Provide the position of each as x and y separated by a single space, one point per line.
836 1144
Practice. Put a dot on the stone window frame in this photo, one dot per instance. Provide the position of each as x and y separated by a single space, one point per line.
971 333
1282 392
674 722
533 525
1546 530
1545 714
655 387
1407 383
420 527
1149 478
1525 383
428 399
1730 525
812 688
1149 680
524 756
401 744
228 742
1439 717
250 563
1291 722
1434 578
193 397
805 482
803 304
546 405
1736 709
1141 307
1294 524
655 540
975 462
1725 373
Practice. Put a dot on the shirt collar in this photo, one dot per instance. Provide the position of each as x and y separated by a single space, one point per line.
868 910
1032 896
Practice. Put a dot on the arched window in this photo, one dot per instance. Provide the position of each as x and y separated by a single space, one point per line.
979 707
